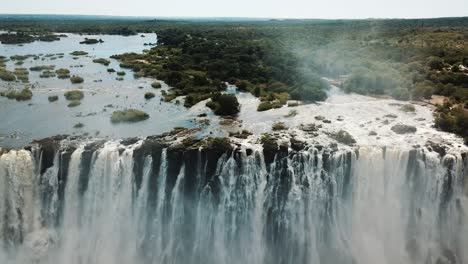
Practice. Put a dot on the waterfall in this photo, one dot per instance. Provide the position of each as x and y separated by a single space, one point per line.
108 202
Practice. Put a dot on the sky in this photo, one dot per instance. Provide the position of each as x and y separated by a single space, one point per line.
243 8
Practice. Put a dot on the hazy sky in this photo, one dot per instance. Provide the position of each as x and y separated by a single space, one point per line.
244 8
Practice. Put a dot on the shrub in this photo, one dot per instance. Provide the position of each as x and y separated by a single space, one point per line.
149 95
76 79
102 61
279 126
264 106
78 125
225 104
53 98
7 76
156 85
129 115
79 53
23 95
74 95
408 108
74 103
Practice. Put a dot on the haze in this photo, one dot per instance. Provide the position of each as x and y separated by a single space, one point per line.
244 8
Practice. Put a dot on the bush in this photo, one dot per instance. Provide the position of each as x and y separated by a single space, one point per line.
74 95
7 76
53 98
23 95
156 85
225 104
76 79
102 61
78 125
279 126
149 95
129 115
74 103
264 106
79 53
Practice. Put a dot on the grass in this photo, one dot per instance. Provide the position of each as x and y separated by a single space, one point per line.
74 95
291 113
53 98
7 76
76 79
74 103
23 95
42 68
279 126
47 74
156 85
102 61
79 53
62 71
128 115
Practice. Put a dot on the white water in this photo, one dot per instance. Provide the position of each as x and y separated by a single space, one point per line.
377 205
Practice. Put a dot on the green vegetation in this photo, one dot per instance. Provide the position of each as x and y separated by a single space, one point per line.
63 73
110 70
240 134
74 103
18 38
129 115
53 98
156 85
223 104
78 125
291 113
42 68
121 73
279 126
76 79
47 74
452 118
79 53
7 76
149 95
102 61
408 108
91 41
74 95
23 95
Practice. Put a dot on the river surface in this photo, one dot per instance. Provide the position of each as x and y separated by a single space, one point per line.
21 122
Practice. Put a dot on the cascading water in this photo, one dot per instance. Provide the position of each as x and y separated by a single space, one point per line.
110 203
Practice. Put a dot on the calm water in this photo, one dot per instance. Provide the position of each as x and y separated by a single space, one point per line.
21 122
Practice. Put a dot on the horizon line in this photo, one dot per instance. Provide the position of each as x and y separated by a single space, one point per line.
228 17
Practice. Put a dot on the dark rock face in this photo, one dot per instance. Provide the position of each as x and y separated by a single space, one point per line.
403 129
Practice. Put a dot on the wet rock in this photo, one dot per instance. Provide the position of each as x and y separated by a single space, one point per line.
439 148
372 133
326 121
391 116
319 117
297 145
386 122
403 129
